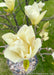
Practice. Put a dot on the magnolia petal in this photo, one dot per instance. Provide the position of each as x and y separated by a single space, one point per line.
35 6
19 46
40 17
32 11
26 33
43 33
53 55
38 44
30 35
11 55
40 4
9 38
21 32
45 38
3 4
10 4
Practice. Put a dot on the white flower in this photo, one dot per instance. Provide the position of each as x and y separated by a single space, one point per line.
40 5
9 4
44 35
33 12
53 55
22 45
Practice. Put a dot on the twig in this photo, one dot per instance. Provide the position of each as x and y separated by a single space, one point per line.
26 2
14 16
21 7
35 30
46 53
48 18
41 56
5 17
11 27
48 49
4 24
18 5
34 0
4 46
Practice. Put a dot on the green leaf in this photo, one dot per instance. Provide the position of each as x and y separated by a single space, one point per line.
26 64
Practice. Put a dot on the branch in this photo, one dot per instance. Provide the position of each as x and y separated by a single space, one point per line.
48 49
10 27
21 7
41 54
18 5
46 53
26 2
48 18
5 24
34 0
5 17
4 46
14 16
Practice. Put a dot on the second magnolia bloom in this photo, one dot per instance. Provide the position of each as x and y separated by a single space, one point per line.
9 4
33 12
23 45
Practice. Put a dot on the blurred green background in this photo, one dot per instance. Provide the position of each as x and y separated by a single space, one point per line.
46 67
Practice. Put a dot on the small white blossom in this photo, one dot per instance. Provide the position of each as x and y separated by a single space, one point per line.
9 4
53 55
49 49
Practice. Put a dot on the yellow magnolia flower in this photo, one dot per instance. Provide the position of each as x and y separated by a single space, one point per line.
21 46
9 4
33 12
44 33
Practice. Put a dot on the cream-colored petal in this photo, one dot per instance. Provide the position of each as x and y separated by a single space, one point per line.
40 4
39 18
37 45
26 34
45 34
45 38
21 32
11 55
41 34
19 46
30 35
9 38
35 6
10 4
31 11
3 4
